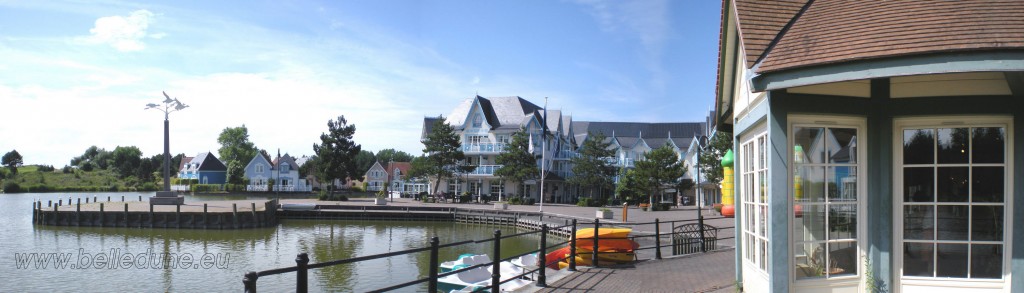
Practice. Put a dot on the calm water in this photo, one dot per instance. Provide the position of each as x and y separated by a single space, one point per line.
122 259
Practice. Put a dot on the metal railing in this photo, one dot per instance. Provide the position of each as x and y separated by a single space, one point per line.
485 169
483 148
303 266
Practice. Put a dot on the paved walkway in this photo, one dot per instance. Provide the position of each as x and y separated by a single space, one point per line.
709 272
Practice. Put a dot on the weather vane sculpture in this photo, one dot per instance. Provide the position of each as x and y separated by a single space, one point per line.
166 196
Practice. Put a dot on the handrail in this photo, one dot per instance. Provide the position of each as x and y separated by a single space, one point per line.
303 266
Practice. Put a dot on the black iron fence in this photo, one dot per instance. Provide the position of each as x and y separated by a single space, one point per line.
537 274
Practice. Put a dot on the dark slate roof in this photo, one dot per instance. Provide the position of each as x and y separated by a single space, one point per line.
208 162
285 159
500 112
628 134
835 31
428 126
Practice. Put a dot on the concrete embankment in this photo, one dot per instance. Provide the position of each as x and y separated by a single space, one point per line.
207 215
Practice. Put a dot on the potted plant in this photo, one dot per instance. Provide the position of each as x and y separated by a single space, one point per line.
381 199
500 205
604 213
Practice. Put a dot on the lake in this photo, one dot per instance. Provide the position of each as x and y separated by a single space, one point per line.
93 259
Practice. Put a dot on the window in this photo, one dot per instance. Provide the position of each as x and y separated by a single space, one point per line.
754 197
453 186
478 120
259 168
952 189
826 197
284 167
476 139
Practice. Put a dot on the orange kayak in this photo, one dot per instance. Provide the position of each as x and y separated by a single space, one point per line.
607 245
554 257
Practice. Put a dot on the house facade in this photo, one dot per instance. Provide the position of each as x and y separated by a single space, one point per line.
376 177
633 140
878 145
204 167
485 126
393 175
283 171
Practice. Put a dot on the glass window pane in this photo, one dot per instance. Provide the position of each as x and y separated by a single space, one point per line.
988 144
986 261
918 184
987 184
952 184
842 221
809 145
762 186
918 259
953 221
761 157
987 223
810 260
919 222
809 184
951 261
810 226
762 219
842 145
842 259
763 256
918 146
842 184
952 143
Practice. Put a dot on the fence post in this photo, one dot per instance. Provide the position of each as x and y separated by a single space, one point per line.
250 282
657 238
572 247
593 255
496 264
301 261
432 283
542 280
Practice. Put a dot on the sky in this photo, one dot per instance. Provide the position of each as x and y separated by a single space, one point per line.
74 74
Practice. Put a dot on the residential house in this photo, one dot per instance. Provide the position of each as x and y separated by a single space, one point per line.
260 173
204 167
376 177
485 126
879 144
631 140
283 171
393 174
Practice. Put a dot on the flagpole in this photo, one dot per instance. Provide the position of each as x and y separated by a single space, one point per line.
543 150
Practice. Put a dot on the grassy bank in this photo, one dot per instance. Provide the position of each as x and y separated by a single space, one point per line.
31 179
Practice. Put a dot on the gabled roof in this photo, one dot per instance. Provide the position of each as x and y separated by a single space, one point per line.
778 36
184 161
402 167
500 112
428 126
208 162
285 159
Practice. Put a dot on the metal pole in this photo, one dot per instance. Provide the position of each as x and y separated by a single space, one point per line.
301 261
432 283
572 247
542 280
700 212
250 282
496 264
167 153
593 256
657 238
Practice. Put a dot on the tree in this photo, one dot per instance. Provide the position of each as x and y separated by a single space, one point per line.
517 163
336 152
266 155
590 168
309 167
659 168
628 188
364 160
126 160
443 152
710 162
12 160
392 155
236 148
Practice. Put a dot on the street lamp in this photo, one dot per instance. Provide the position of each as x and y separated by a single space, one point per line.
167 197
702 142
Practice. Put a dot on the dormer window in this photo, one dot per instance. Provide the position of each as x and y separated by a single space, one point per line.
284 167
478 120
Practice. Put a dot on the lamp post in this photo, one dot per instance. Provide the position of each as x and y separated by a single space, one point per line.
701 144
167 197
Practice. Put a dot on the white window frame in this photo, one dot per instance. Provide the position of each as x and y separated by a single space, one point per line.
830 121
752 238
958 121
259 168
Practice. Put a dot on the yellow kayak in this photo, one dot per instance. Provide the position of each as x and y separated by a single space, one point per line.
612 257
606 233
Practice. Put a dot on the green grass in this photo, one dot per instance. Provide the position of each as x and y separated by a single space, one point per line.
31 179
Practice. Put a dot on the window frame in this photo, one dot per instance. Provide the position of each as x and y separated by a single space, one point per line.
952 121
746 158
829 121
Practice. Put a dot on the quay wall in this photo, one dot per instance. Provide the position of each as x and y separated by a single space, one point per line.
118 215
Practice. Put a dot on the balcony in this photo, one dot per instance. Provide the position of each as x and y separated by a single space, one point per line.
565 155
483 148
628 163
485 170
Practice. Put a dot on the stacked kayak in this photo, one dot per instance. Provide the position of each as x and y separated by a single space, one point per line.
613 247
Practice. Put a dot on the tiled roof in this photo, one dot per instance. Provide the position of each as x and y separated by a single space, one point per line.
403 167
184 161
833 31
760 21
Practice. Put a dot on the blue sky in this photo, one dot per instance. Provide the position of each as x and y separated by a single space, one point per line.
78 74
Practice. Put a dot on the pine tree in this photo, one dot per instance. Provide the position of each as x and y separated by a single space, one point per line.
590 169
336 153
443 152
659 167
518 164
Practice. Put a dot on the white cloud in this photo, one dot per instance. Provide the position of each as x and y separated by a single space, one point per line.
124 33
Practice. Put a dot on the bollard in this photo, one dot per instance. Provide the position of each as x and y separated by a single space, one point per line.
301 263
542 280
140 198
495 265
250 281
625 209
108 198
103 220
49 203
122 198
593 256
572 248
94 199
432 283
657 239
87 200
60 202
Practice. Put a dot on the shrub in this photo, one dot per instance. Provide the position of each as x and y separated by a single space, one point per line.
87 166
205 187
148 186
465 198
356 189
12 187
661 207
718 207
514 200
67 170
583 202
45 168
